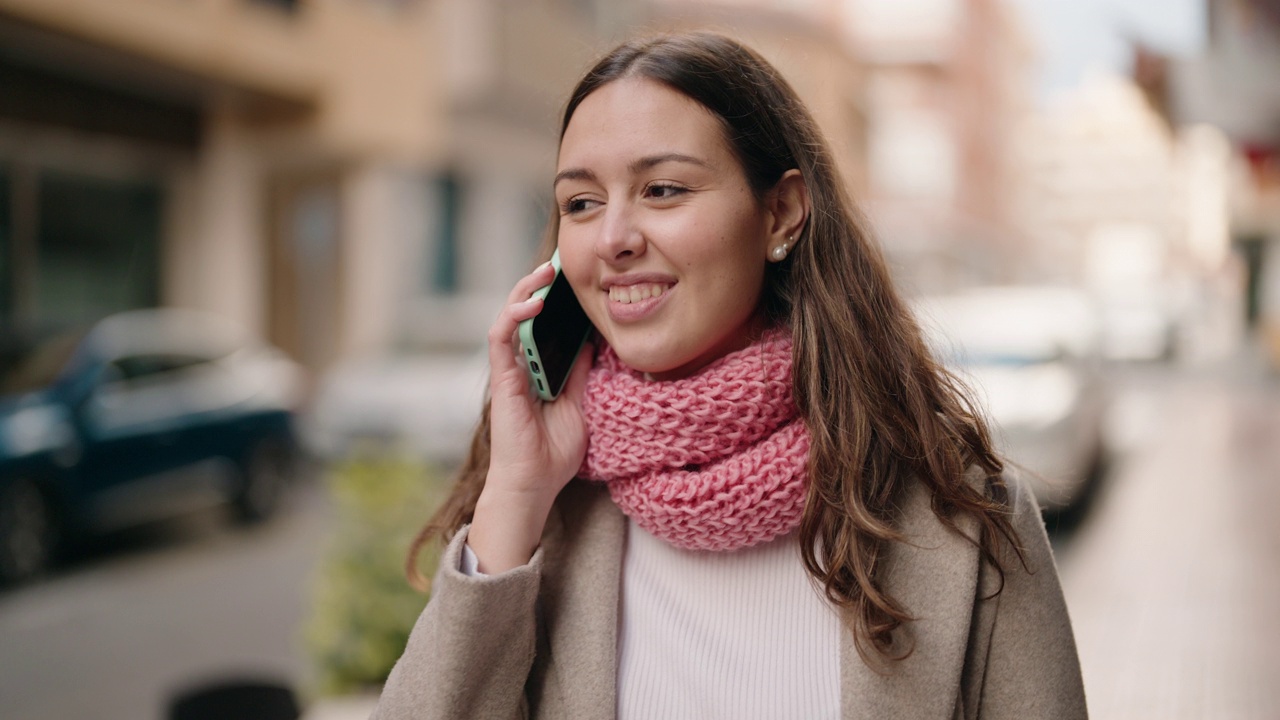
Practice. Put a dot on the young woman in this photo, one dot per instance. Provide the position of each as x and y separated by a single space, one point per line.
758 496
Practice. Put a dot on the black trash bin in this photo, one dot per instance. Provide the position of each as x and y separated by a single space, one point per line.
235 700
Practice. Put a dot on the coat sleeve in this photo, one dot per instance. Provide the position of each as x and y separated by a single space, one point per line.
1032 668
471 650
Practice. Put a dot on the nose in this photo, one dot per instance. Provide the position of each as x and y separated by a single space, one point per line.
620 236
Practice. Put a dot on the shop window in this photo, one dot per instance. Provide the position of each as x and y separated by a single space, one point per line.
289 6
97 246
444 260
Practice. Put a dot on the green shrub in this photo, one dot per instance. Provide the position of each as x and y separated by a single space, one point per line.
363 607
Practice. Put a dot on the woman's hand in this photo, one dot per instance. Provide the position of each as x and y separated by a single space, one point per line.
536 447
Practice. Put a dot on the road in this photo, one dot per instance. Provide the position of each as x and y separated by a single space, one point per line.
158 609
1172 579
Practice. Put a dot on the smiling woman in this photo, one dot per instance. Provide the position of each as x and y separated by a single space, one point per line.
759 496
660 232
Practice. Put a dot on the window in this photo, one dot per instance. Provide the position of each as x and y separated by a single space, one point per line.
444 260
138 367
97 246
289 6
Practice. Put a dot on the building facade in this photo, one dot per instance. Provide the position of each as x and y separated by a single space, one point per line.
1231 85
340 176
216 154
336 175
948 84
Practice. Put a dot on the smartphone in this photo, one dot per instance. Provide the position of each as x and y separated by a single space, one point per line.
553 338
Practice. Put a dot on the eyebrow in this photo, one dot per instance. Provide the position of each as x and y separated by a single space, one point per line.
636 167
651 161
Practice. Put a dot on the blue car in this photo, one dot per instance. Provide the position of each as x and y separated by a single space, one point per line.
147 414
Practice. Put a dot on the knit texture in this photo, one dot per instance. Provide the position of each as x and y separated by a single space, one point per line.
715 461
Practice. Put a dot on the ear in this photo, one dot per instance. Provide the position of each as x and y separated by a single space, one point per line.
787 211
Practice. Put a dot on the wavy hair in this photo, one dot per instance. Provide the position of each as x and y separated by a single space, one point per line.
881 411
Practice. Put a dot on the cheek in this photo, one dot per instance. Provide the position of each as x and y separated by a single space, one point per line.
575 259
730 287
733 252
701 242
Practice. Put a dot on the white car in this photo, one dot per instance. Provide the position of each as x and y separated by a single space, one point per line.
424 406
1138 325
1031 356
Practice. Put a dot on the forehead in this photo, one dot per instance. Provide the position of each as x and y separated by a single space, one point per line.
632 117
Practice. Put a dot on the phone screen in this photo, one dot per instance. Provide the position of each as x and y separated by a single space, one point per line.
558 332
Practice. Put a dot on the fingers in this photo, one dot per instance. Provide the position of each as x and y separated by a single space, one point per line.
519 307
502 354
541 275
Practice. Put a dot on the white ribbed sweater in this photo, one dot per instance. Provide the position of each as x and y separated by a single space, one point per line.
737 635
705 635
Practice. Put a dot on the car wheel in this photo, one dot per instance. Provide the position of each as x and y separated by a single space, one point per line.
266 471
28 531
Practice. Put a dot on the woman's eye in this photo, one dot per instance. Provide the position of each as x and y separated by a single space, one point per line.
665 191
575 205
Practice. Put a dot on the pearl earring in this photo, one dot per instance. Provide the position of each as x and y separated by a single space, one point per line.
779 253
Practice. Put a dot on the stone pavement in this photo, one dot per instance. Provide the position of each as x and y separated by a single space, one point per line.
1173 581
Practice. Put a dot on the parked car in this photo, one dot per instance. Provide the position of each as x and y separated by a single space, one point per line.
425 406
1139 324
141 416
1032 356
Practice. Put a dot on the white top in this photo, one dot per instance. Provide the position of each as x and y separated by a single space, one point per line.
737 635
706 635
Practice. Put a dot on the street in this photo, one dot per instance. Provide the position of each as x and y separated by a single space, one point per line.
1173 582
1172 579
195 599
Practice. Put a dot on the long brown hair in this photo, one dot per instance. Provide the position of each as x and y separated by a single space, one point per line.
882 413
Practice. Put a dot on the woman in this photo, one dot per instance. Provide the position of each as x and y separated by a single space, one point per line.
758 496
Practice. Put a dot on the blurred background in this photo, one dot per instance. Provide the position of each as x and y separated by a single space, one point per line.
249 250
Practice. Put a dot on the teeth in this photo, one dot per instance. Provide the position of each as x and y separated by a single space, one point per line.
635 293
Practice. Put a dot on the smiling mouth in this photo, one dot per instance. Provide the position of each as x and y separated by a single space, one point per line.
627 294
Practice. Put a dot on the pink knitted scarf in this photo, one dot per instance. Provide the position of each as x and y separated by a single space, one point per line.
716 461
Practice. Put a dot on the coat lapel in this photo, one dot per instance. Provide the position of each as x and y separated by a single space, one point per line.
934 575
580 602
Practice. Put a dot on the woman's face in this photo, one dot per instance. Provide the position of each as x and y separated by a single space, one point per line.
660 236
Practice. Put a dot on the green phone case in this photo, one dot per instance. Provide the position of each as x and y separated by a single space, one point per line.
532 358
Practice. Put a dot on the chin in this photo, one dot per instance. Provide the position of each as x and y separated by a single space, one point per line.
646 357
646 361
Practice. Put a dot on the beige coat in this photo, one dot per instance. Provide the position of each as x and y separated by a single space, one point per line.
540 641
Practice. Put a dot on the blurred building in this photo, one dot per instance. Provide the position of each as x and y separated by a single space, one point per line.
805 42
1116 201
948 82
1232 85
229 155
338 175
343 176
1099 163
329 173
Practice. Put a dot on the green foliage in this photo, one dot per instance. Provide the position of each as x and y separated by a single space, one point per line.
363 607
